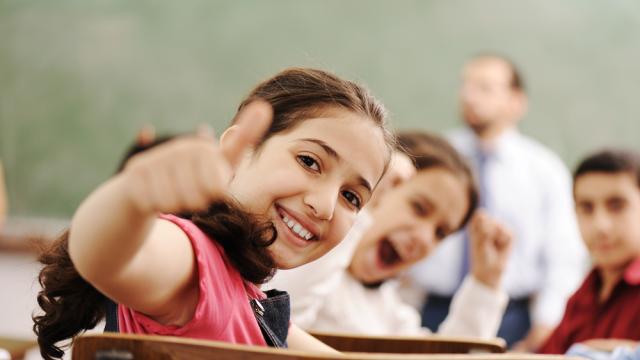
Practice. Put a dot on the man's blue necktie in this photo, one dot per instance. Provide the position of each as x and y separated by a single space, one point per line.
482 160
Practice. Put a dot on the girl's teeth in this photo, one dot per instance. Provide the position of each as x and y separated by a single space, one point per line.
297 228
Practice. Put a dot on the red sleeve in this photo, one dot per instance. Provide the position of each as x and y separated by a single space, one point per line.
559 341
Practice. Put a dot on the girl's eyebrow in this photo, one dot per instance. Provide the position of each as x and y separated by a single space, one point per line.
334 154
430 204
425 200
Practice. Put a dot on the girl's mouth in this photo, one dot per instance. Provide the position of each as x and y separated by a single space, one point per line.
296 228
387 253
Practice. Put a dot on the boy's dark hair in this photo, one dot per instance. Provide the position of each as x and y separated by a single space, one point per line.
610 161
140 147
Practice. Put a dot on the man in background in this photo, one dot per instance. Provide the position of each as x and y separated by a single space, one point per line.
528 188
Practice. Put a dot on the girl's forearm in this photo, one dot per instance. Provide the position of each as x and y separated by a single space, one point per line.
107 231
301 340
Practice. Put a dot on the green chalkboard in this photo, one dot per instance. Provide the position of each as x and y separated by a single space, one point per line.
77 78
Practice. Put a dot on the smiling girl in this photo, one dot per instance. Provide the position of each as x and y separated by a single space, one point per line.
282 188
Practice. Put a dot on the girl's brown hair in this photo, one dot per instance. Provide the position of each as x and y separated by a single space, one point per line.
430 151
71 305
297 94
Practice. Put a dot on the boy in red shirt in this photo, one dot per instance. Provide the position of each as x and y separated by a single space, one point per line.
607 304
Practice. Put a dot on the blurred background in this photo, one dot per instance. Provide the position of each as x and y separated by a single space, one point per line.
79 78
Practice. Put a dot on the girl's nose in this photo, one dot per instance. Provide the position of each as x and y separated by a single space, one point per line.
322 201
425 238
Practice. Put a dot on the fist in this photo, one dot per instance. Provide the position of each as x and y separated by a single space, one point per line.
490 244
189 173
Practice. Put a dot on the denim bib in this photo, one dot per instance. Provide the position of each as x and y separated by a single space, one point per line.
273 314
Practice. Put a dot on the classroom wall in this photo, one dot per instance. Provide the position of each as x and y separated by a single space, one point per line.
77 78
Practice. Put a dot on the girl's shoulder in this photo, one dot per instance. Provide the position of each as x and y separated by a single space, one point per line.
177 226
220 286
213 266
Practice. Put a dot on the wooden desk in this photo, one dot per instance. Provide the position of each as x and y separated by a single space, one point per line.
17 347
140 347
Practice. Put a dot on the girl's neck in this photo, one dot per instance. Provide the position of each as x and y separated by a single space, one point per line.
610 278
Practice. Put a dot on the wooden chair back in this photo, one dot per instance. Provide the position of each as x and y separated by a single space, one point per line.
431 344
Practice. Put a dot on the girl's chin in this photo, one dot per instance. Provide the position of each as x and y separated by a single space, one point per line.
374 272
286 259
285 264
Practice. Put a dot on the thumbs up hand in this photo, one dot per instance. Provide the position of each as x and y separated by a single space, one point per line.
189 173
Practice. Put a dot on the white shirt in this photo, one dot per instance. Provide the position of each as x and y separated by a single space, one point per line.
476 311
310 284
325 297
530 192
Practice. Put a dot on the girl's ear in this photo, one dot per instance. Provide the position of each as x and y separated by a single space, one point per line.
228 144
227 135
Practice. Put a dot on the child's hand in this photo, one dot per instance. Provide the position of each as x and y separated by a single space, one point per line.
189 173
490 247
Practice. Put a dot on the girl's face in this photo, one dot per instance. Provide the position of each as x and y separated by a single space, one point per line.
608 211
400 169
311 181
409 222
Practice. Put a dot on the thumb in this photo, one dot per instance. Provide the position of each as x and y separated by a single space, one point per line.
249 127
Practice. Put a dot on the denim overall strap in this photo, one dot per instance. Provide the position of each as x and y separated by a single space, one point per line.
111 311
273 314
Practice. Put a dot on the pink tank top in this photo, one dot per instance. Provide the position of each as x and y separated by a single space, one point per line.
223 312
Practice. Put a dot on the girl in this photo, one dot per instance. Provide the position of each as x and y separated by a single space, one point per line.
281 189
405 224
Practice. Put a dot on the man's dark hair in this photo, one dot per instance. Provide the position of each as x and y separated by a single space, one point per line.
517 81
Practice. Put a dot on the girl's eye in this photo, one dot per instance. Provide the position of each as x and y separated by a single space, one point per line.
441 233
352 198
418 208
309 162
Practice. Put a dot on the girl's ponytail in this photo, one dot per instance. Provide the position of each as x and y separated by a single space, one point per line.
243 236
70 304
